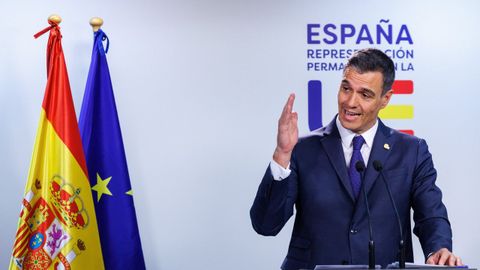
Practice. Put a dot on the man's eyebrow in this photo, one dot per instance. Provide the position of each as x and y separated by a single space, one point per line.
370 91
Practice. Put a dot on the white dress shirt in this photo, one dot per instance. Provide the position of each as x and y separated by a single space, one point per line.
279 173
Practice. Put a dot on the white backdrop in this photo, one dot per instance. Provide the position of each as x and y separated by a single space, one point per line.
199 87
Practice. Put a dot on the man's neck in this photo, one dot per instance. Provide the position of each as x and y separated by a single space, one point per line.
347 134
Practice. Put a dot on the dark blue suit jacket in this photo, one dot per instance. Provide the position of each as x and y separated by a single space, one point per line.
331 227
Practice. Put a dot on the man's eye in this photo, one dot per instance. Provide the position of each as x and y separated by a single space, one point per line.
366 95
345 88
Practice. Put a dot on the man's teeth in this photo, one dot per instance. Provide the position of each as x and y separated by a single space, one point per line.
352 113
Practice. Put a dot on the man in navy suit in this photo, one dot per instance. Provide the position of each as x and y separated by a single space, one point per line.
314 174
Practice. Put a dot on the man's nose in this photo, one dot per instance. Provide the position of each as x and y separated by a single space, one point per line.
352 100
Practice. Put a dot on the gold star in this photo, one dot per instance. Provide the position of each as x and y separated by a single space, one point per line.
130 192
101 187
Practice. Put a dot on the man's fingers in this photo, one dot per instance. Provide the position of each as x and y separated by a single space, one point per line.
432 259
444 257
459 261
287 109
291 99
455 261
289 105
295 116
452 260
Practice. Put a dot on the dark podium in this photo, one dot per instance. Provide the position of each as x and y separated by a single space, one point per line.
409 266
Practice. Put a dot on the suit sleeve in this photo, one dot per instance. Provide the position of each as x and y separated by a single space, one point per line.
273 204
430 214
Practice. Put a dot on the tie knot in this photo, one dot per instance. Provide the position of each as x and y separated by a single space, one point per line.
357 142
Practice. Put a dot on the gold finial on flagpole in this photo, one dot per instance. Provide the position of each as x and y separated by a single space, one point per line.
96 23
55 19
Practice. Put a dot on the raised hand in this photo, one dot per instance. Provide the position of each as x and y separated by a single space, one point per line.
287 135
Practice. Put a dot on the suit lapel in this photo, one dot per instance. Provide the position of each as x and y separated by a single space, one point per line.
333 147
382 146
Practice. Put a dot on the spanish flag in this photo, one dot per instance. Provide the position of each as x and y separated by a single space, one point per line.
57 228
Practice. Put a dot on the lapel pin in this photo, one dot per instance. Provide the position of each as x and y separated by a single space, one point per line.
386 146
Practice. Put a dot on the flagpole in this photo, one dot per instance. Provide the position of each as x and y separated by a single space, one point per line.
96 23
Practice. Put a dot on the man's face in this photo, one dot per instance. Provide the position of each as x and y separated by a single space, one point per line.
360 99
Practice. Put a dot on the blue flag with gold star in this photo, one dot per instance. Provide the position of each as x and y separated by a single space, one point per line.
107 166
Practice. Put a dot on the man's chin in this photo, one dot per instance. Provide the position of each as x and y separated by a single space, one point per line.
351 125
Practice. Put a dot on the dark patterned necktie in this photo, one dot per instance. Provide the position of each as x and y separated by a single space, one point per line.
355 178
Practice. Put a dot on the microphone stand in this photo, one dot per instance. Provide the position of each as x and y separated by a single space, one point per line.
360 167
401 252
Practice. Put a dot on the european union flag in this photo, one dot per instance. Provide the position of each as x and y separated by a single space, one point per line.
107 166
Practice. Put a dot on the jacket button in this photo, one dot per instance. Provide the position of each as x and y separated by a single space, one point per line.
353 231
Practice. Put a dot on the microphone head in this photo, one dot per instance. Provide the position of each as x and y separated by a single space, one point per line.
360 166
377 165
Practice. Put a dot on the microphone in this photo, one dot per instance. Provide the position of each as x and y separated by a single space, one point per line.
360 167
401 256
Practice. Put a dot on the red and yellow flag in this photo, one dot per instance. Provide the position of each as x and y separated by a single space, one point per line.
57 228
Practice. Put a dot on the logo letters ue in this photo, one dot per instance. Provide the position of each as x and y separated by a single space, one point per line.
314 105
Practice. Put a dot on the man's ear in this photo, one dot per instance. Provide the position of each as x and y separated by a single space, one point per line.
386 98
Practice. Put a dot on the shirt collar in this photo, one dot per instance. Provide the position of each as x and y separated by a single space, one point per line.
347 135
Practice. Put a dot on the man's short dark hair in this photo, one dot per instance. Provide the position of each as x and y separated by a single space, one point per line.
369 60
